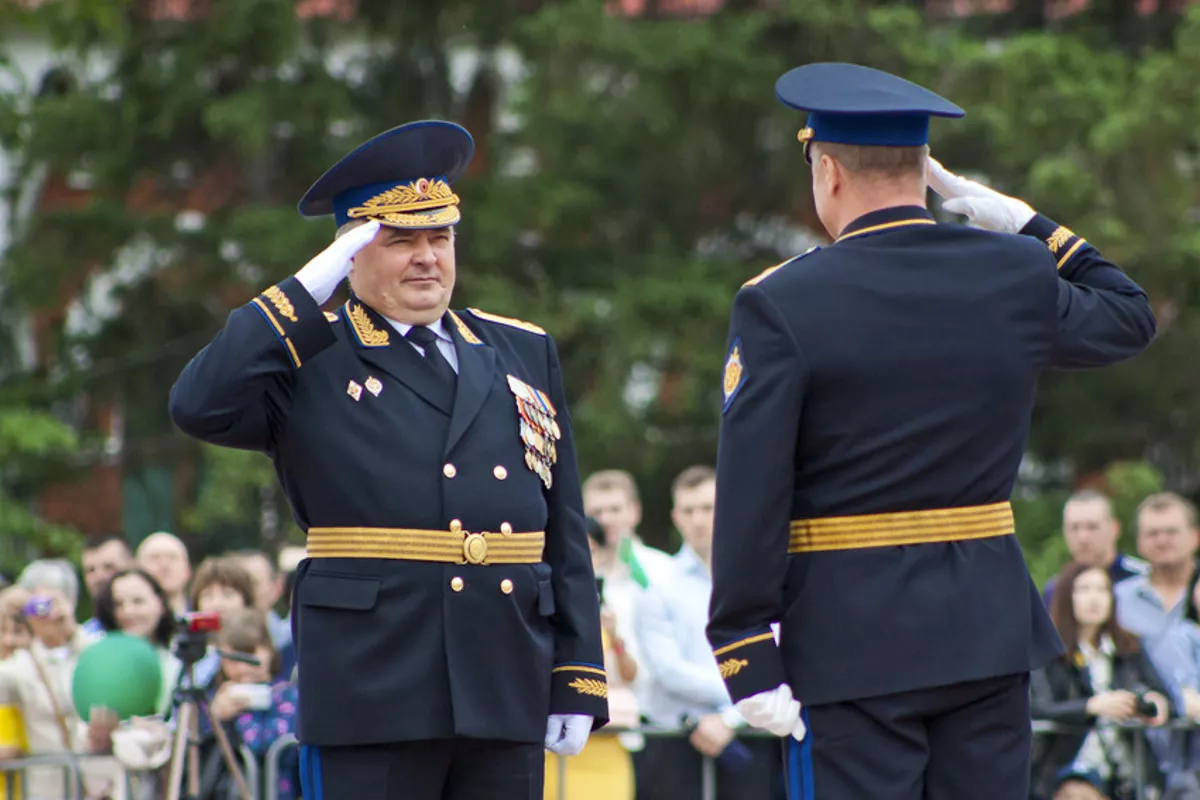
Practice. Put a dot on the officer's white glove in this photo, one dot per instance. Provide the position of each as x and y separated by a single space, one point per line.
322 275
983 207
566 734
775 711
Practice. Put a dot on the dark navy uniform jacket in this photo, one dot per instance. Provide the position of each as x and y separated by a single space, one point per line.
893 371
363 435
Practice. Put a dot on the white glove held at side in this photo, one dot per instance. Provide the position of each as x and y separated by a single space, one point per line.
775 711
566 734
322 275
983 206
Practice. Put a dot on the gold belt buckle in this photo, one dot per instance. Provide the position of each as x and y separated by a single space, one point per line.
475 548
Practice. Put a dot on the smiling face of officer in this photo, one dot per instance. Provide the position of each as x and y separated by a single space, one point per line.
406 275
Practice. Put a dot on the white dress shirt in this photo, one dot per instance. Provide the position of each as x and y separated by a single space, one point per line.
445 343
670 620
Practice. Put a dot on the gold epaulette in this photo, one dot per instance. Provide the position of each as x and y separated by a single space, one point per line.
760 276
766 273
329 315
515 323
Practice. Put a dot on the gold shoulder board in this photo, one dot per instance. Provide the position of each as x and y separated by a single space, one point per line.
516 323
329 315
766 273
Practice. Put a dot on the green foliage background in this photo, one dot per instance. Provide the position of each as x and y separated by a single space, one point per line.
630 174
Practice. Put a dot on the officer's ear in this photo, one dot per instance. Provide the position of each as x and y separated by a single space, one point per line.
829 172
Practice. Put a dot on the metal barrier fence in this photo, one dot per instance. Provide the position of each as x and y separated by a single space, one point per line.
268 787
16 773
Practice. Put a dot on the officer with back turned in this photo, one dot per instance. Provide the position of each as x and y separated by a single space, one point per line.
877 399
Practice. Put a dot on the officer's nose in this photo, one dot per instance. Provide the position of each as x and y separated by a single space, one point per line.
423 252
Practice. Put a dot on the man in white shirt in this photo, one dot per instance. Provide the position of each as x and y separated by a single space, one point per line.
686 686
626 566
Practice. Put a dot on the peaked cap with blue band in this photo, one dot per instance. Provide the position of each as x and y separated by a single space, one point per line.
401 177
853 104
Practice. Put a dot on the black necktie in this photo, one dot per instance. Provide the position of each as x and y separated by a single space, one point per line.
427 341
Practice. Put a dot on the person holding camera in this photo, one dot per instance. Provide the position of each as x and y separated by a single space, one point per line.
1103 682
250 699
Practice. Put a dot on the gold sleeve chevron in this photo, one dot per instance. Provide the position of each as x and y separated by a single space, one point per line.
579 689
278 310
1064 243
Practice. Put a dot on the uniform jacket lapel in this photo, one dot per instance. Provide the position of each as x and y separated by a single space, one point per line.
382 346
476 377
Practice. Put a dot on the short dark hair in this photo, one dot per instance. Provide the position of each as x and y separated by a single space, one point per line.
97 540
106 613
692 477
884 162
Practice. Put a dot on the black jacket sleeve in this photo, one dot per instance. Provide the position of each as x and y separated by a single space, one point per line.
580 684
236 391
1103 316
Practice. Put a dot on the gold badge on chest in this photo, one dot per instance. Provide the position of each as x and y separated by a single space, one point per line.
539 428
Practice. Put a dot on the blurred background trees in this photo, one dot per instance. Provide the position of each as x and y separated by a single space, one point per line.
633 169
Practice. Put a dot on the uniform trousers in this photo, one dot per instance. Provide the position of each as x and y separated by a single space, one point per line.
966 740
675 771
435 769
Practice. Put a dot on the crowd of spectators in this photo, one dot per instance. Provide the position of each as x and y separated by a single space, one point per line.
1119 699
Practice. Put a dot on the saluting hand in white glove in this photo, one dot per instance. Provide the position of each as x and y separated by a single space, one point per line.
322 275
775 711
983 207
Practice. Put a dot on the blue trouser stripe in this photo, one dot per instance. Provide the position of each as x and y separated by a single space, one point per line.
310 773
799 764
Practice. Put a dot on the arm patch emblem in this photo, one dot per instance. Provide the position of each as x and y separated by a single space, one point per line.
735 374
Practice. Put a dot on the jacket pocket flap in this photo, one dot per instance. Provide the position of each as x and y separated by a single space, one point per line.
339 591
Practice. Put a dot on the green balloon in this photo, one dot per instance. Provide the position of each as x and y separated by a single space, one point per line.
121 673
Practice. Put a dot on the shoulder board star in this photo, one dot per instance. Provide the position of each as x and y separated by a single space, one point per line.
329 315
769 271
515 323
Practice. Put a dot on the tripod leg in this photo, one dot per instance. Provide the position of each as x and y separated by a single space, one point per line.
178 746
228 755
194 758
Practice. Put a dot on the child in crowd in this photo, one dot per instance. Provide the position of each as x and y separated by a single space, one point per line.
259 708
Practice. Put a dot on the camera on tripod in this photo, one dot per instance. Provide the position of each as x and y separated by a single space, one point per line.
191 634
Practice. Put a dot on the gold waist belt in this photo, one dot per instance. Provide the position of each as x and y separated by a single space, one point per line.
901 527
453 546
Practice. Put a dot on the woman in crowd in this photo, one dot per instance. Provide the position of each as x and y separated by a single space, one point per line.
1104 678
134 603
37 682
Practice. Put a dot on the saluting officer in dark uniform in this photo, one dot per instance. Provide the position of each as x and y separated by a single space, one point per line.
446 619
877 396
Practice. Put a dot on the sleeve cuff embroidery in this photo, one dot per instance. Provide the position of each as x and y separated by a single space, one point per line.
274 321
295 318
584 679
750 665
1062 242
